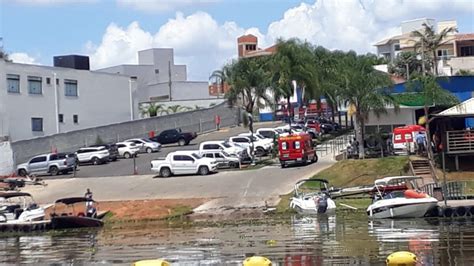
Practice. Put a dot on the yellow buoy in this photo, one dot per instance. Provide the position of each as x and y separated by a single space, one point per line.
158 262
400 258
257 261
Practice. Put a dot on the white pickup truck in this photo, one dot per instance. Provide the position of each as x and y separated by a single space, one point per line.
183 163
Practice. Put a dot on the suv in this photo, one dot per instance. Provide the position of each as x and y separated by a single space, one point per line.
113 150
94 155
53 163
146 145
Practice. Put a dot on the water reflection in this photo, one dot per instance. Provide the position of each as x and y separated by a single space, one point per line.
343 239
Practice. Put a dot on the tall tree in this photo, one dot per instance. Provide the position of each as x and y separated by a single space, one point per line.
366 89
405 65
430 41
221 76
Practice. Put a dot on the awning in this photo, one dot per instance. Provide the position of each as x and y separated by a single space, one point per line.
464 109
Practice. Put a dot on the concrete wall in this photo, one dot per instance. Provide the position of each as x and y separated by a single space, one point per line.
458 63
103 98
195 121
405 116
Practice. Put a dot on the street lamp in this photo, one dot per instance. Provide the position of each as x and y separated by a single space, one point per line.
56 103
130 81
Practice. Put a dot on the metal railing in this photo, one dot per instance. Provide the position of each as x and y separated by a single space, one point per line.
460 141
335 146
454 190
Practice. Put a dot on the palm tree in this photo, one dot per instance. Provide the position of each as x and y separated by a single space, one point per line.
152 109
366 89
430 41
222 76
173 109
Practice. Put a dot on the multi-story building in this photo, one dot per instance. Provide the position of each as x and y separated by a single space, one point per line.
38 100
158 79
457 52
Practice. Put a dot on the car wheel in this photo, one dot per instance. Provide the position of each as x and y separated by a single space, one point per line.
53 170
283 165
95 161
260 151
126 155
149 150
22 172
181 142
165 172
203 170
233 165
315 158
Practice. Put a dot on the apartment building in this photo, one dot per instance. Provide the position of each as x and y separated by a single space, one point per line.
38 100
457 53
158 79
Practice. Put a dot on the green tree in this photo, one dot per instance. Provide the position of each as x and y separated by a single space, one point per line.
366 89
221 76
152 109
173 109
430 41
405 61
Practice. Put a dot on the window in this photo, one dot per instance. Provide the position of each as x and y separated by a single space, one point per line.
13 83
396 47
37 124
177 158
297 145
284 146
53 157
211 147
443 53
70 87
407 136
38 159
398 137
75 119
218 155
467 51
35 85
208 155
48 81
187 158
61 118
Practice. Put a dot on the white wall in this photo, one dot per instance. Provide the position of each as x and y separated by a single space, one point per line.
6 159
405 116
102 99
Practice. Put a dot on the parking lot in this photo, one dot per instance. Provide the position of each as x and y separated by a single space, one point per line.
124 167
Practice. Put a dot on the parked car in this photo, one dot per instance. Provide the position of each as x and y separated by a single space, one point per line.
269 133
268 143
127 149
174 136
260 148
94 155
223 159
52 163
296 149
214 145
113 150
183 162
146 145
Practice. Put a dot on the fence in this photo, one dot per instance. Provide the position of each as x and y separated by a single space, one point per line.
460 141
454 190
336 146
193 121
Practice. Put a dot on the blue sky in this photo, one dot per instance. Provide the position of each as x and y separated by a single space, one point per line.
203 32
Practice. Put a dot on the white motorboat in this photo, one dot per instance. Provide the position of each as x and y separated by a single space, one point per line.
409 203
309 199
19 207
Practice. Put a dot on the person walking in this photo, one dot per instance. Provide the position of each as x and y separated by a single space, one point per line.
420 139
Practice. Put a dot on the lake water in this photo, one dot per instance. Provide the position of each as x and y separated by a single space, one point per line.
344 239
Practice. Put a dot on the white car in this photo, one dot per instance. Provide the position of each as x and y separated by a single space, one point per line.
182 163
269 133
127 149
260 148
146 145
94 155
223 159
267 142
225 146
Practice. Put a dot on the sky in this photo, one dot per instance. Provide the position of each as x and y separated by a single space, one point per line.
203 33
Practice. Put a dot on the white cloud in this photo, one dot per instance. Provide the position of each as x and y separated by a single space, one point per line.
204 44
151 6
22 58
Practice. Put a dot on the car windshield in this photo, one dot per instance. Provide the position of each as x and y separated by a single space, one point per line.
227 145
253 138
147 140
196 156
225 154
259 136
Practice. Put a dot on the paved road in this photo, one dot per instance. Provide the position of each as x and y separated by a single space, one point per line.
123 167
245 188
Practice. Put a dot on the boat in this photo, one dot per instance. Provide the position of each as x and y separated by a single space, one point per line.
409 203
308 200
89 217
19 208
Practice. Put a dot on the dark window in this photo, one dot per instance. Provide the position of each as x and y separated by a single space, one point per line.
187 158
218 155
38 159
61 118
70 87
467 51
157 71
37 124
241 140
53 157
211 147
35 85
48 81
284 146
396 47
75 119
177 158
296 145
121 146
13 83
208 155
57 81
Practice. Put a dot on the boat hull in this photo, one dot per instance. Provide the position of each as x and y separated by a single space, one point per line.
402 210
65 222
309 205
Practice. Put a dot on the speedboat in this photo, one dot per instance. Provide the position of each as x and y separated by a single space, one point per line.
409 203
308 199
76 218
19 207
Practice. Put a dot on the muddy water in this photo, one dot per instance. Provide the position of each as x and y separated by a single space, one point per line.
341 240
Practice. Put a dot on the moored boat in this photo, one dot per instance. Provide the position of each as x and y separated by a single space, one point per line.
312 200
76 219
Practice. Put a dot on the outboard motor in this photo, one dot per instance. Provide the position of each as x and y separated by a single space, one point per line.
323 204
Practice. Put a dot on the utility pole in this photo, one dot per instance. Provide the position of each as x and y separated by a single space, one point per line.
56 103
169 81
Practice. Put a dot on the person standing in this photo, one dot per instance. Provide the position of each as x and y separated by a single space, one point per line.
420 139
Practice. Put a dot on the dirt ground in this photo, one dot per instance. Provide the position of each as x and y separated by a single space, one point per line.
140 209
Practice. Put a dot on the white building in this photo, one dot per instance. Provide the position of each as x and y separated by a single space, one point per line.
158 79
40 100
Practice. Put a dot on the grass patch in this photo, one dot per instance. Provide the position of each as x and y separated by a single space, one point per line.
360 203
363 172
